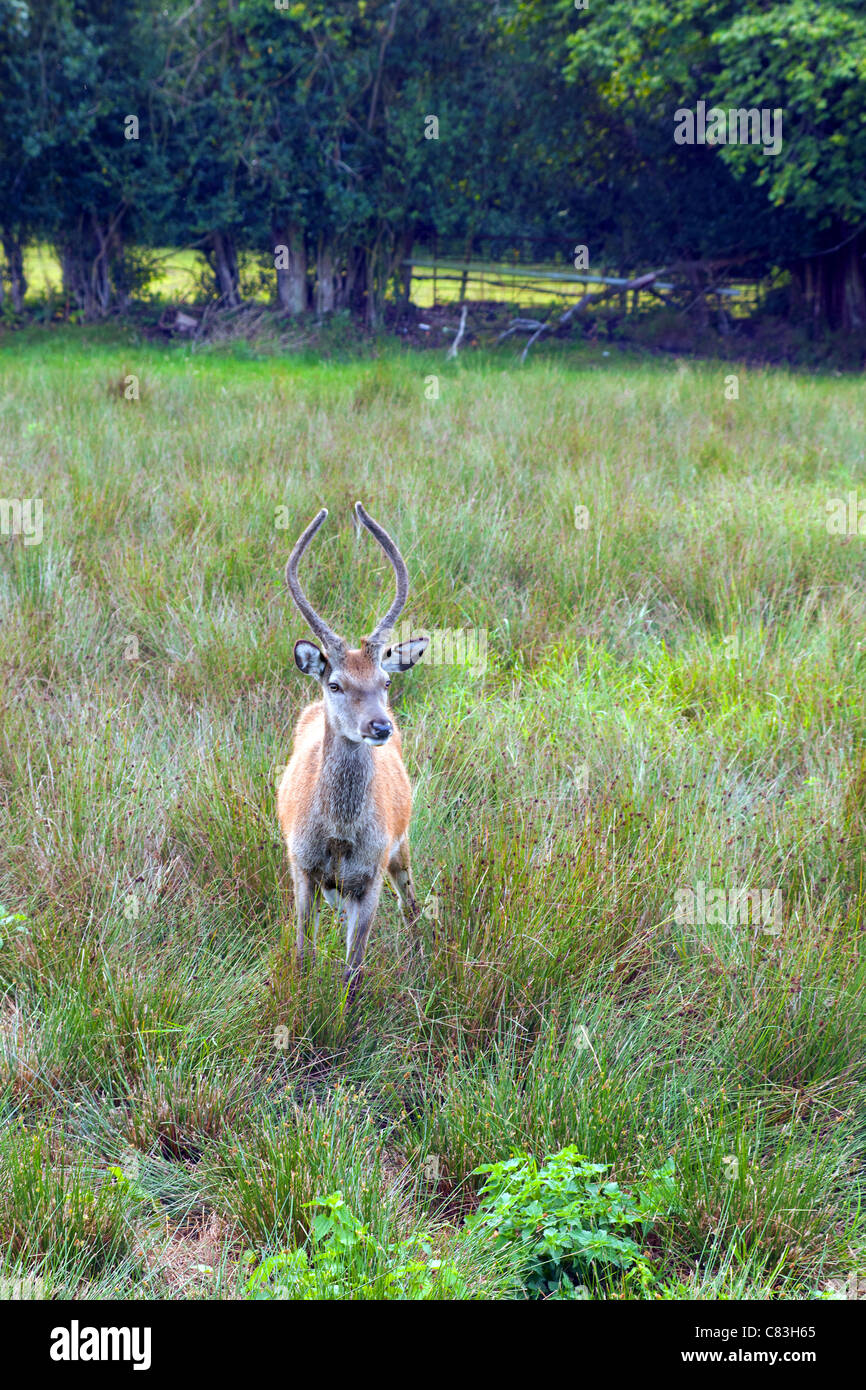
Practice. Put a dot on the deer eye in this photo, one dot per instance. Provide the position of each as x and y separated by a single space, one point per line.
337 689
387 683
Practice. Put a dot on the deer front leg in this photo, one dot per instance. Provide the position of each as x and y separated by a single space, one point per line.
306 910
359 919
400 874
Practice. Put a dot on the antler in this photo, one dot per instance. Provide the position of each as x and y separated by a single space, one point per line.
334 646
377 636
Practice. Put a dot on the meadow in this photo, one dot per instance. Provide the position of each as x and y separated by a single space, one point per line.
670 702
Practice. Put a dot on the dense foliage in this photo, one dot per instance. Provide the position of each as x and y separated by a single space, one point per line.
576 1229
329 139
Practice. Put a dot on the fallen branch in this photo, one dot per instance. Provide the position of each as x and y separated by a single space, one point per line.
537 327
455 346
642 282
520 326
542 328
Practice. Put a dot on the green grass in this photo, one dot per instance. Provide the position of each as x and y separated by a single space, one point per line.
673 694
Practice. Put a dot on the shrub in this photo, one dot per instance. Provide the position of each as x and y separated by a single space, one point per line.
574 1227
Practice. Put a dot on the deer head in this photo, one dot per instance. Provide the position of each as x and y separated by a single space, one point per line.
355 681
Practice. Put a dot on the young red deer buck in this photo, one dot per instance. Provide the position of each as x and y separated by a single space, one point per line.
344 801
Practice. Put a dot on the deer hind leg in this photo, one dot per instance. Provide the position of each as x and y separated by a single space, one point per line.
359 919
333 899
400 874
306 914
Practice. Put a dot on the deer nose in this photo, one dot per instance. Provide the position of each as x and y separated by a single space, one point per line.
380 729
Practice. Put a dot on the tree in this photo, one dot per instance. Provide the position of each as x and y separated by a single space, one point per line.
24 135
803 207
810 62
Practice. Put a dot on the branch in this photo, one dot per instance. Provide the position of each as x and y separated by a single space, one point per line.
537 327
454 348
386 39
542 328
520 326
642 282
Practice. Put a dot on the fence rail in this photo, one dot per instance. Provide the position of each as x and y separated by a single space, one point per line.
513 276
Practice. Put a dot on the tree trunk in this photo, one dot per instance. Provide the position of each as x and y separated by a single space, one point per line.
224 262
355 285
76 280
325 286
100 272
381 264
341 278
85 278
371 299
407 242
699 303
832 287
14 252
370 306
292 278
467 252
89 256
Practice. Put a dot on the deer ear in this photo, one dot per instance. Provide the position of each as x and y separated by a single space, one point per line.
310 660
404 655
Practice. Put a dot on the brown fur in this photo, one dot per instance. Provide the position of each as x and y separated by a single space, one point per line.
344 806
391 791
344 801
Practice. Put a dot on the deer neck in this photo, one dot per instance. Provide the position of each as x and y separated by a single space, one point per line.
345 778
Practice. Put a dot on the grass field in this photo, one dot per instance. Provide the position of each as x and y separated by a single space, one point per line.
671 696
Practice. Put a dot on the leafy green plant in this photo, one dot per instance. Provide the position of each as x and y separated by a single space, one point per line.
7 919
574 1226
129 1187
346 1261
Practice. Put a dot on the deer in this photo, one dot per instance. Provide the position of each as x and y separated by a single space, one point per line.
344 801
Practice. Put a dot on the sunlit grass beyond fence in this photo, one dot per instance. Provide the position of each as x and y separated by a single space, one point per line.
176 273
177 277
671 699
